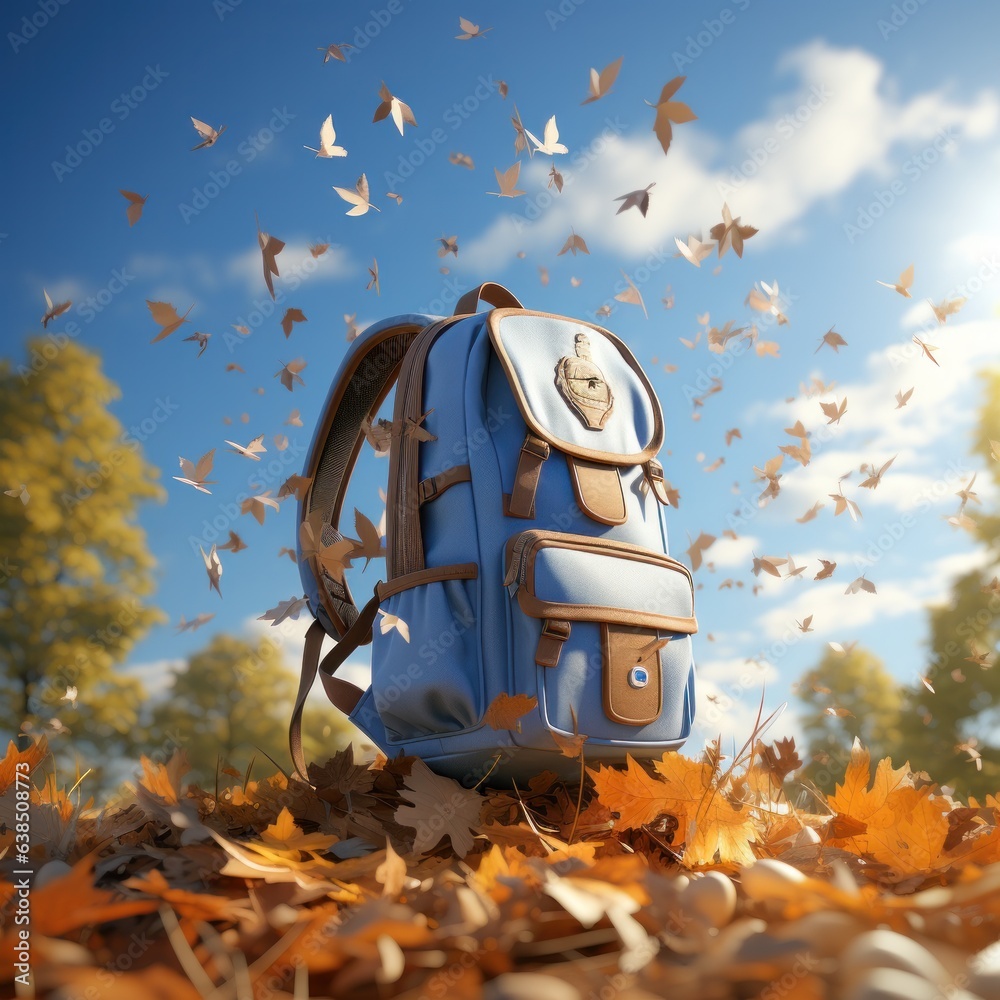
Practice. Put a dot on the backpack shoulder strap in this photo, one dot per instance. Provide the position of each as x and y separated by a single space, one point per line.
365 378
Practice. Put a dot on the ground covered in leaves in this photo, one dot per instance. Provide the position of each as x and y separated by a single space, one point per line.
681 878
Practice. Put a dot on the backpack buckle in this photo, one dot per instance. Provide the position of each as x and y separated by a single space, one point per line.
555 632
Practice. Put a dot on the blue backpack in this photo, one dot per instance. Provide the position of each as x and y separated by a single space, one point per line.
526 553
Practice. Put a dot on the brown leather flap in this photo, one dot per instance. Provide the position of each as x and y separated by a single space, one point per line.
632 676
598 490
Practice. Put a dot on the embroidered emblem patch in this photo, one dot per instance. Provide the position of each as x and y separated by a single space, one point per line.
583 385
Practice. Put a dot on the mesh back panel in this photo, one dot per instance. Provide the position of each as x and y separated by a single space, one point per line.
359 397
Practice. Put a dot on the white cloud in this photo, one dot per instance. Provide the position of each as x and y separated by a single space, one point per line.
176 276
837 615
926 436
836 123
729 697
726 552
295 263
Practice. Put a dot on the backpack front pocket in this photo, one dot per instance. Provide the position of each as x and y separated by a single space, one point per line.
428 682
602 630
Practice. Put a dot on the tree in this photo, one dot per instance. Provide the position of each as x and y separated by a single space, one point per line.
856 682
962 711
231 701
74 566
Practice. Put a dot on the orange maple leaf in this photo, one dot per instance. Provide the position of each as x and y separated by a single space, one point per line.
164 780
685 789
855 800
73 901
32 756
284 834
505 710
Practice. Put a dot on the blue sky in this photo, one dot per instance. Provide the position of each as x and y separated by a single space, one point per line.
805 121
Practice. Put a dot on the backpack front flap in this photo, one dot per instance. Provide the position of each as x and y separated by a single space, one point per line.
601 616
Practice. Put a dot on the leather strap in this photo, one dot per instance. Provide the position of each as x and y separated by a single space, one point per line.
521 502
654 476
488 291
432 487
343 694
550 643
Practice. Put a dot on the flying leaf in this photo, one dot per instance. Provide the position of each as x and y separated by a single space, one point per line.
135 204
826 571
208 134
631 295
449 245
394 107
166 316
213 566
327 141
390 622
470 30
670 112
291 608
20 493
834 410
270 247
295 485
194 475
359 198
699 546
507 182
252 450
550 144
291 317
505 711
600 83
573 244
875 476
730 234
842 503
371 543
234 544
903 285
694 251
289 373
257 506
53 310
195 623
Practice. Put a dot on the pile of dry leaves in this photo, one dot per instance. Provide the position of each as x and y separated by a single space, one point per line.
676 879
